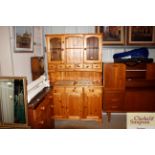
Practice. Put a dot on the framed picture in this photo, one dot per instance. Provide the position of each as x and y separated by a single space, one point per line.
141 35
23 39
112 35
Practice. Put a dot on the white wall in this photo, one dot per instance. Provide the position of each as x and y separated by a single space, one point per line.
22 61
17 64
6 68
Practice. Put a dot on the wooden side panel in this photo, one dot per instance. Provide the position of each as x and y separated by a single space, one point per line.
140 100
114 76
150 74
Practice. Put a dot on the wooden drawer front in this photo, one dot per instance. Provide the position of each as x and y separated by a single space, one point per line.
70 66
78 66
96 66
113 101
61 67
135 74
41 116
51 67
74 89
87 66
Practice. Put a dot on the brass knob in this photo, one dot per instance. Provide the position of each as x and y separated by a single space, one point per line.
41 122
42 108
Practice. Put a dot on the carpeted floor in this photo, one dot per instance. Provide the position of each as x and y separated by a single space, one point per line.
118 121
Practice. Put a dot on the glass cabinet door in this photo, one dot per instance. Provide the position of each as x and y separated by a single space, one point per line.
55 49
92 49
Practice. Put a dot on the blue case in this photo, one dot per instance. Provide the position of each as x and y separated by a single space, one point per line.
136 53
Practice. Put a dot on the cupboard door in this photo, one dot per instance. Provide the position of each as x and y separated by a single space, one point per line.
59 102
74 100
55 49
114 76
93 48
93 102
74 49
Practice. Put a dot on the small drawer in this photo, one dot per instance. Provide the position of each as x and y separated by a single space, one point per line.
70 66
113 101
96 66
61 66
74 90
87 66
51 67
78 65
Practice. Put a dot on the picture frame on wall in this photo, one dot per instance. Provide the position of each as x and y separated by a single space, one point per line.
23 39
112 35
141 35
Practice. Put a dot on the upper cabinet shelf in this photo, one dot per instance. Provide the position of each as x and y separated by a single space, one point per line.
74 49
55 49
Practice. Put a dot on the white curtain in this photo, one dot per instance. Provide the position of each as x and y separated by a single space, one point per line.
7 101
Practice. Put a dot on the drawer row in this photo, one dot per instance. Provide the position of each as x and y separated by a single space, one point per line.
74 66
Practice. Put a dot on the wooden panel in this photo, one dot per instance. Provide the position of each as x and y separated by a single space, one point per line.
150 74
74 55
114 76
50 111
76 75
140 100
93 102
74 101
54 76
59 102
113 100
74 41
136 74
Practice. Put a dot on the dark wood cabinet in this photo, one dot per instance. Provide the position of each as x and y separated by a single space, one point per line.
40 111
129 88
